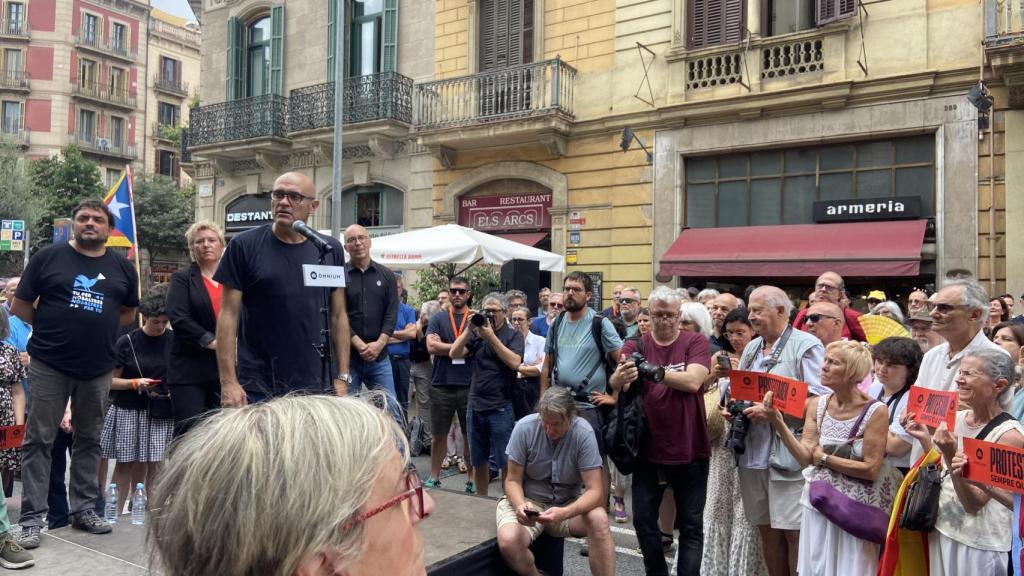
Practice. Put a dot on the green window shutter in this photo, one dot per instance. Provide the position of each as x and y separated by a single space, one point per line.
332 18
276 48
389 44
236 58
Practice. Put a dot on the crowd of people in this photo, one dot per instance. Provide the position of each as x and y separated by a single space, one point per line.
491 387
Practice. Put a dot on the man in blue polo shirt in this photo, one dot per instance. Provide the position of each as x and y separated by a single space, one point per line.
398 347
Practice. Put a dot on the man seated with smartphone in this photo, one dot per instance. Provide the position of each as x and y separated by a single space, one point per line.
552 455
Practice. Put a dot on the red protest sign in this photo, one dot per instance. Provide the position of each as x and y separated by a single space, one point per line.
994 464
11 436
789 395
933 407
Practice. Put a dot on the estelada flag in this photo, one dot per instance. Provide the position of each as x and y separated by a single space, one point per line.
906 551
120 202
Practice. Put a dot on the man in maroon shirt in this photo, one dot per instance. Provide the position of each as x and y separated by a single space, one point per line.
677 448
829 288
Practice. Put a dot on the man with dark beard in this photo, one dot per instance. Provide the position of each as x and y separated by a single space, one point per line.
75 295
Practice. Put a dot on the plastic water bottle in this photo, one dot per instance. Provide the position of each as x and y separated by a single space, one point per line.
139 505
110 505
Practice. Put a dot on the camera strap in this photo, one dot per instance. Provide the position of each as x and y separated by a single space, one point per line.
773 360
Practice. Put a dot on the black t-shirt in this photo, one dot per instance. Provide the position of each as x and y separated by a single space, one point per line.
492 379
76 320
280 318
446 373
152 353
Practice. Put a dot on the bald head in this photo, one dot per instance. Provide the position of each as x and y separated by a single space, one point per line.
824 320
829 287
299 180
357 244
293 198
720 307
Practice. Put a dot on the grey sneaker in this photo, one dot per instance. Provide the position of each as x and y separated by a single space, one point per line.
30 536
90 522
12 555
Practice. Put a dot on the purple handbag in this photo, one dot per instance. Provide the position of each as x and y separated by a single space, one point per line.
864 521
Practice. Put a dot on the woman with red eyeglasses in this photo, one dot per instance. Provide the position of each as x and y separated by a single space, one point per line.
298 486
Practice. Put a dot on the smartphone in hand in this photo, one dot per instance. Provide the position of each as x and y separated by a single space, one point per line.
531 513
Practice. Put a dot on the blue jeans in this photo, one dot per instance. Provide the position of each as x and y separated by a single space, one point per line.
376 376
489 432
400 366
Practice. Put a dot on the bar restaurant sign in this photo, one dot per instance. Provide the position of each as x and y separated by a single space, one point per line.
514 212
865 209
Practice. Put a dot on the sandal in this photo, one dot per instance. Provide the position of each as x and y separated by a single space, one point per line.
462 466
620 510
447 462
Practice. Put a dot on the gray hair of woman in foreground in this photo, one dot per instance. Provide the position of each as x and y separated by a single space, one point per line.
256 490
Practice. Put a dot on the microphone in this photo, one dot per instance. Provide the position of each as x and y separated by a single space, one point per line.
321 245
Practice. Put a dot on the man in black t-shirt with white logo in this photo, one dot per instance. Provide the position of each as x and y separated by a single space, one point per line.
75 295
269 320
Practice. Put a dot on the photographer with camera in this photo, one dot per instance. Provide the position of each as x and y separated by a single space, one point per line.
671 365
497 352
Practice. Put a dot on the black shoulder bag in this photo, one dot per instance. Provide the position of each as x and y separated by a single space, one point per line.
159 396
921 507
625 433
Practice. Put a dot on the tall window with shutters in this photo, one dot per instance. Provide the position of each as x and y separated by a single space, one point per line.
505 42
255 54
373 37
720 22
715 22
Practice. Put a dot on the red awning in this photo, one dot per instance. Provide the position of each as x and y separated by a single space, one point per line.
528 238
891 248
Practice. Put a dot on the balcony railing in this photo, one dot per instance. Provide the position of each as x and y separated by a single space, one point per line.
186 153
179 32
17 28
15 134
383 96
1004 22
105 146
256 117
14 79
170 85
516 92
94 41
93 90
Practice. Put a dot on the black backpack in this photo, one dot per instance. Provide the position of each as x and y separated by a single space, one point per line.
596 333
626 430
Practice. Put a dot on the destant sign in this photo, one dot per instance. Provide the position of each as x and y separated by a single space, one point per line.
504 213
247 212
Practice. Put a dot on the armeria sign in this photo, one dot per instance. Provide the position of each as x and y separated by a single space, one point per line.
861 209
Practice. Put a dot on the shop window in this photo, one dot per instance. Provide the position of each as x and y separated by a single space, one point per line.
780 186
373 205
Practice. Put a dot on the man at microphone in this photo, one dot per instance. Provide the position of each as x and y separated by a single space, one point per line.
269 321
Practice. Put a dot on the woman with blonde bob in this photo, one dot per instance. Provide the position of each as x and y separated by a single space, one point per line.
298 486
857 469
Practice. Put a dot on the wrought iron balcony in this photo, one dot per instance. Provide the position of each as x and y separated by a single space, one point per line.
528 90
104 95
256 117
170 85
383 96
186 153
14 28
167 132
14 80
93 144
94 41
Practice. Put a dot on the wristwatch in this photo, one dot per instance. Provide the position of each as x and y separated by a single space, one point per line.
823 461
346 378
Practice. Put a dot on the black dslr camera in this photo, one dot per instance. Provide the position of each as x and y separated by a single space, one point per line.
645 369
737 438
479 320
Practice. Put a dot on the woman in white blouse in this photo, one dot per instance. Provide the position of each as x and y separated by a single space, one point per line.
529 370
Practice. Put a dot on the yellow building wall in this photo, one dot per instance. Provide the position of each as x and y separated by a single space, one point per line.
992 191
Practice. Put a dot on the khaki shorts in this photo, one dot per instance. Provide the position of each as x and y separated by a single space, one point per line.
769 502
506 514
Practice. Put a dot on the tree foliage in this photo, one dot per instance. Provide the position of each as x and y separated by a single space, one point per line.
482 279
163 212
61 182
17 202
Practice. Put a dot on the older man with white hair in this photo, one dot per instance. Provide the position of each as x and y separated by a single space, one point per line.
771 492
958 310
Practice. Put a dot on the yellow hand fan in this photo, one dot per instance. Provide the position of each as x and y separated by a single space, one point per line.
877 328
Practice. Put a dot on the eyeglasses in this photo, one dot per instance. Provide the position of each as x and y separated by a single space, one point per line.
817 317
970 373
943 308
821 286
627 301
414 491
665 317
293 197
555 305
514 319
574 289
458 290
357 239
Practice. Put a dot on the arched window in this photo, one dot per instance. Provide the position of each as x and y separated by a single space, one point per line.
255 55
257 62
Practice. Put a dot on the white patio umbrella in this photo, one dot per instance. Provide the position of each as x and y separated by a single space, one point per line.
455 244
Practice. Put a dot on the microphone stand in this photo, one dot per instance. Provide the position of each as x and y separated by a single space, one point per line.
324 347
